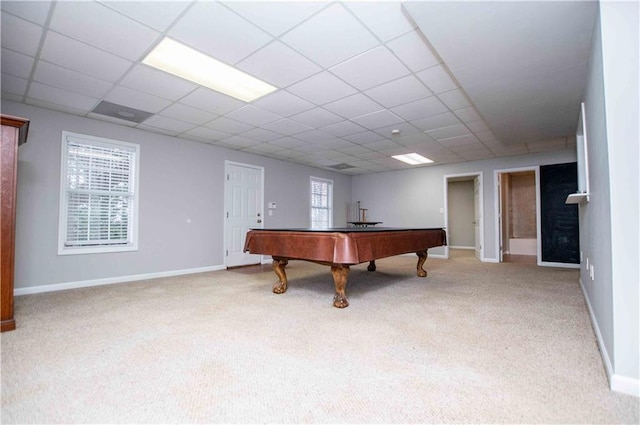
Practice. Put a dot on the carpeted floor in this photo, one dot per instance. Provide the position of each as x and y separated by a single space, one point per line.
473 342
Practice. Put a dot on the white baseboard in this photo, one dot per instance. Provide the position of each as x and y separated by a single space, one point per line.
618 383
110 280
462 247
490 260
564 265
625 385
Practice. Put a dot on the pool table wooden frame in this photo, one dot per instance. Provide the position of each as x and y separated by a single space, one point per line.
340 248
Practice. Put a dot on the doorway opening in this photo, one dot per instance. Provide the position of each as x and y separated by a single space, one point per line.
463 215
518 217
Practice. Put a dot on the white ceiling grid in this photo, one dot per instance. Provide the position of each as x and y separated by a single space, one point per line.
347 73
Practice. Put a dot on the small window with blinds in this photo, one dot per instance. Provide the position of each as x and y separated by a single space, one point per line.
321 203
98 195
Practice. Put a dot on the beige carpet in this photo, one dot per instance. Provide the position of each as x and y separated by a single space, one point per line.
473 342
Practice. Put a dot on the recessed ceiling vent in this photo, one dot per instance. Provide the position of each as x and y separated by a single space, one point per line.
342 166
121 112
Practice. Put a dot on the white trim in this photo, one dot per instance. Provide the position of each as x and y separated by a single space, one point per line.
111 280
490 260
618 383
625 385
462 247
480 176
564 265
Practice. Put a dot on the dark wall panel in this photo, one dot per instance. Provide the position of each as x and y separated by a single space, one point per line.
559 221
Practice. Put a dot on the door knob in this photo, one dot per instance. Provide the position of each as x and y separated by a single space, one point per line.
259 221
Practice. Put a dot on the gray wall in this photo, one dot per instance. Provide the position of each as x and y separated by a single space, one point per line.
609 223
179 180
461 230
414 197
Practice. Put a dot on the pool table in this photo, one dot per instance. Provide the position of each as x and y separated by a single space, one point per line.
340 248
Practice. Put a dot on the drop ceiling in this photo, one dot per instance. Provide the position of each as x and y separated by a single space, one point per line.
461 81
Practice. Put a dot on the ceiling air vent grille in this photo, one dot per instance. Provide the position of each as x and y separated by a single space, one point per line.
121 112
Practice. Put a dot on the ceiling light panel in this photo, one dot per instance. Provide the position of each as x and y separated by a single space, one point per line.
413 159
178 59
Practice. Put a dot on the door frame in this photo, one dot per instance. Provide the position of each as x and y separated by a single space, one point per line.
497 190
227 163
472 175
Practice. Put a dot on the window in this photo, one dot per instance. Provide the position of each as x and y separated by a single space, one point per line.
98 195
321 203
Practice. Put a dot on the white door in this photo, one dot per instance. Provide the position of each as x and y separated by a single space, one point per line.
500 218
243 202
477 215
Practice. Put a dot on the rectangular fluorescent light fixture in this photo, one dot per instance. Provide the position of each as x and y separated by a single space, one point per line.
185 62
413 159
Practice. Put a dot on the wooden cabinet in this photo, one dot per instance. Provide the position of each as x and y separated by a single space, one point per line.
14 133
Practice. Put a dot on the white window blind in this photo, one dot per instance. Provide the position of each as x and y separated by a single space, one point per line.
321 203
98 195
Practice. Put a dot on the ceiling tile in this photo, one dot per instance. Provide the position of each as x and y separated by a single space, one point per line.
447 132
261 135
287 142
384 18
420 108
413 51
404 128
211 101
353 106
322 88
229 126
20 35
403 90
61 97
377 66
34 11
13 85
206 134
286 127
158 15
239 141
212 28
283 103
485 136
102 27
477 126
313 136
263 148
343 128
279 65
378 119
56 76
135 99
330 36
437 79
468 114
467 139
185 113
317 117
152 81
169 124
252 115
269 15
364 137
15 63
436 121
83 58
454 99
412 140
385 145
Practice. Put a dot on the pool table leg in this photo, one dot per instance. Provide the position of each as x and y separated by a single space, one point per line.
340 275
278 266
422 257
372 266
